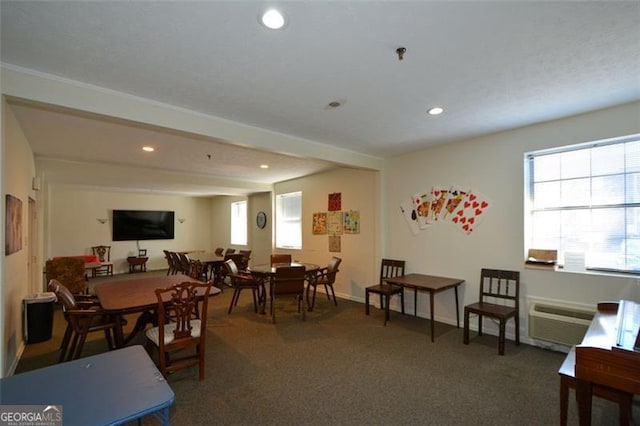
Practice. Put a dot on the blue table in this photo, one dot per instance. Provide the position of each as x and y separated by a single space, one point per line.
107 389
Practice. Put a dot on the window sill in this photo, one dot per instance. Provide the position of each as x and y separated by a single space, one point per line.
556 268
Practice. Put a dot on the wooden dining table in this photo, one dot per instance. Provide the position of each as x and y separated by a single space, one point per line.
129 296
266 273
213 262
431 283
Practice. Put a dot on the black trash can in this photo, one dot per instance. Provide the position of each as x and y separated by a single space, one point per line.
38 317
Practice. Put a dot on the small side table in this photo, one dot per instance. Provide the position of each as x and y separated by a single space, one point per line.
137 261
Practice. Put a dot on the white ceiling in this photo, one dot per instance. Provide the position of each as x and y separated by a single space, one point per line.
491 65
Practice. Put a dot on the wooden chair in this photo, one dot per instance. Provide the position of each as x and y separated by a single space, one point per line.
219 251
242 281
277 259
182 325
69 271
170 262
229 251
177 264
499 299
388 269
83 315
325 277
185 263
245 262
221 273
104 254
197 270
288 280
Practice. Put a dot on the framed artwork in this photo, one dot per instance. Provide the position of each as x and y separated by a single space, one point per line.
334 244
319 225
335 202
13 225
351 222
334 223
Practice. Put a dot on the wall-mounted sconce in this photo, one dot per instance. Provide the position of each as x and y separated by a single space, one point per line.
181 219
102 220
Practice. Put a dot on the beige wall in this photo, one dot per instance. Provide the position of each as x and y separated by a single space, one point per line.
360 191
258 240
72 227
494 166
18 169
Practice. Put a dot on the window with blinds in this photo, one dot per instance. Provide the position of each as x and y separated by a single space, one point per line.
586 199
289 220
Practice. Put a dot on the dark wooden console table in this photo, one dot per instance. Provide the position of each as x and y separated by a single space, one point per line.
137 261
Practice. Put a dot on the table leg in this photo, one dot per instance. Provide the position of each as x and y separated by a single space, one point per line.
141 323
432 320
584 393
415 301
457 308
119 333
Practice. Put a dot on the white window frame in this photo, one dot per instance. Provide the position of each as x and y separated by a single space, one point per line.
585 198
239 223
289 220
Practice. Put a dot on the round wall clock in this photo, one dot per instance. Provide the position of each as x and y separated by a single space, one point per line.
261 220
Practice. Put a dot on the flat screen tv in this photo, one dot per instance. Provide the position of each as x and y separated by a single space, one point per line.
131 225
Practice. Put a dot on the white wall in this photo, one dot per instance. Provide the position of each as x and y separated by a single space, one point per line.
494 166
16 180
72 227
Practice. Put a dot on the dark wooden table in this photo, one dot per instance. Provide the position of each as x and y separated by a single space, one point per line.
432 284
213 262
134 261
136 296
266 272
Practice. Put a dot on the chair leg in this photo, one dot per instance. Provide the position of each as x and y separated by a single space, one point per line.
402 300
501 337
64 348
72 349
234 299
386 308
67 335
517 319
479 325
333 293
465 338
366 302
313 299
81 341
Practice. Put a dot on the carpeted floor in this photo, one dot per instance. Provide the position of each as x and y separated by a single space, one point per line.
341 367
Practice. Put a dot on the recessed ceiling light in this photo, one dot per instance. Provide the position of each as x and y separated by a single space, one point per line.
264 166
148 148
435 111
273 19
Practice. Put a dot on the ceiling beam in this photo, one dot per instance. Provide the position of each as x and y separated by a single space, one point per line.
40 87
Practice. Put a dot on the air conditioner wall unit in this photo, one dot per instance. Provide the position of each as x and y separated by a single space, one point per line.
558 323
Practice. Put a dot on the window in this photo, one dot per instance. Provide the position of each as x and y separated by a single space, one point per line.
586 198
239 223
289 220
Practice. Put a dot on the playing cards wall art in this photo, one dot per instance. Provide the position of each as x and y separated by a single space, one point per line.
463 208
